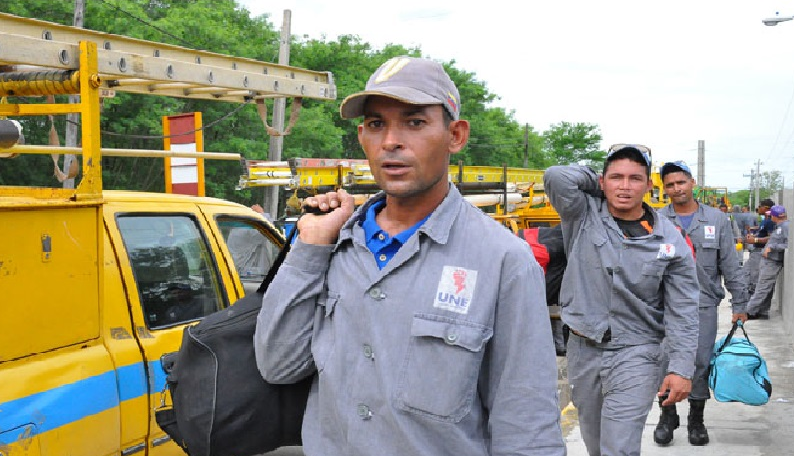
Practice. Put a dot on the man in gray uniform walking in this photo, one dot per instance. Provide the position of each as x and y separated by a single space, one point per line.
630 283
713 239
771 264
417 313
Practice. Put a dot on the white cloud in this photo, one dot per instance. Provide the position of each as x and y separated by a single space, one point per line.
665 74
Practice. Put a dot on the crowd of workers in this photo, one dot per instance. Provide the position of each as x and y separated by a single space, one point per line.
416 313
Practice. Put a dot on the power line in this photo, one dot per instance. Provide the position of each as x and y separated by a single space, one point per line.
205 127
146 23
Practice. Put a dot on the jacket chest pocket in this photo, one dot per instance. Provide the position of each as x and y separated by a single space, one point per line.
707 254
438 378
651 279
324 339
592 248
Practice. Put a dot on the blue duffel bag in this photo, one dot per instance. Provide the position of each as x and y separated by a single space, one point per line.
738 371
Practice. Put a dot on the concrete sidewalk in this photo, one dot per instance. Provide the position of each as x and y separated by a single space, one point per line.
734 429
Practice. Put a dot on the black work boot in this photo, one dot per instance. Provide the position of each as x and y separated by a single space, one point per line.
668 422
698 435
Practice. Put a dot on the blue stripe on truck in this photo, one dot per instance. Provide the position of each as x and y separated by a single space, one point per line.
69 403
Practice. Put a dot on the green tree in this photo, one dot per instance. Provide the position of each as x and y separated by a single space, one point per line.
770 182
568 143
740 198
222 26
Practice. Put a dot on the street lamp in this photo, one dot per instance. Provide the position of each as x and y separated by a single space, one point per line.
773 21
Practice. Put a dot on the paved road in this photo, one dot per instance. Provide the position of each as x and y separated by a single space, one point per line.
735 429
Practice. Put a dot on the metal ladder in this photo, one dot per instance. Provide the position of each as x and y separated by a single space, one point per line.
132 65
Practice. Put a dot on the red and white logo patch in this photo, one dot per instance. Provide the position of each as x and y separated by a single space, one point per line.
666 251
455 289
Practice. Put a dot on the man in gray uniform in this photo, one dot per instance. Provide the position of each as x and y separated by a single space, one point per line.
713 239
771 264
630 282
757 238
744 220
419 313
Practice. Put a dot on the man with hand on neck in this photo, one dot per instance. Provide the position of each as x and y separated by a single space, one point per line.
630 283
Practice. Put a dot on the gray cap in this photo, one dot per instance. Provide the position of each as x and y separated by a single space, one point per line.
409 80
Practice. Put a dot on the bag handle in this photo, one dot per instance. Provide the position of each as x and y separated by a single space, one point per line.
282 254
737 324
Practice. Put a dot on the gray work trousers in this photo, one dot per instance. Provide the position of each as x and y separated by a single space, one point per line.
707 334
751 268
613 390
761 300
558 333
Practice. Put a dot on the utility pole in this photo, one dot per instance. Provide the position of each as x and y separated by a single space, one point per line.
701 163
526 145
72 119
270 203
752 186
757 179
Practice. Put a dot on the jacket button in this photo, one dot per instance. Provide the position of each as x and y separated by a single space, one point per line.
368 352
376 294
364 412
451 338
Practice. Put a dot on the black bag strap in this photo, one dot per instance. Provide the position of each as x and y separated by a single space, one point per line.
282 254
737 324
271 274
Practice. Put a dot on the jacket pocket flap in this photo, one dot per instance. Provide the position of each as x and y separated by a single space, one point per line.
467 335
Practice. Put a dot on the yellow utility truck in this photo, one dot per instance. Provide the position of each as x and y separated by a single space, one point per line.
96 285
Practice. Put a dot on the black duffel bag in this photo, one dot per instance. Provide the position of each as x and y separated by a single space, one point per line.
221 404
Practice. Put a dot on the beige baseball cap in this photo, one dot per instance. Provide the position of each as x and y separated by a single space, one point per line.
410 80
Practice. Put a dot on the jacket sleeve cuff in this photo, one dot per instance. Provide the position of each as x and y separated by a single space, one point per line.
688 377
739 308
309 257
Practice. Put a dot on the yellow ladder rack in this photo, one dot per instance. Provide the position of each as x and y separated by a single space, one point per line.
132 65
316 173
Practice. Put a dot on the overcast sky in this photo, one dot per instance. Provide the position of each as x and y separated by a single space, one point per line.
661 73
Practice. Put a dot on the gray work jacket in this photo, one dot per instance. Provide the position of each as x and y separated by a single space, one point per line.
446 350
778 241
641 289
715 256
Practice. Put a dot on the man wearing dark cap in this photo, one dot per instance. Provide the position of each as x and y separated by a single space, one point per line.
771 264
716 261
419 313
630 282
757 237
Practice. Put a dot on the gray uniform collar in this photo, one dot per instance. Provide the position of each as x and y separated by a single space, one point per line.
698 216
437 227
609 219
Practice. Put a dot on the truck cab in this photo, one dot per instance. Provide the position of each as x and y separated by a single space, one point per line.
82 333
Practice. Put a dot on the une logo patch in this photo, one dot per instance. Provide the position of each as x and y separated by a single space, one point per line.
666 251
455 289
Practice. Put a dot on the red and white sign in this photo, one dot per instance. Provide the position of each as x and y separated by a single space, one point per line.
183 134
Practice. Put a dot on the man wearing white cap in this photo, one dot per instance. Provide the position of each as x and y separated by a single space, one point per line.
771 264
419 313
717 264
